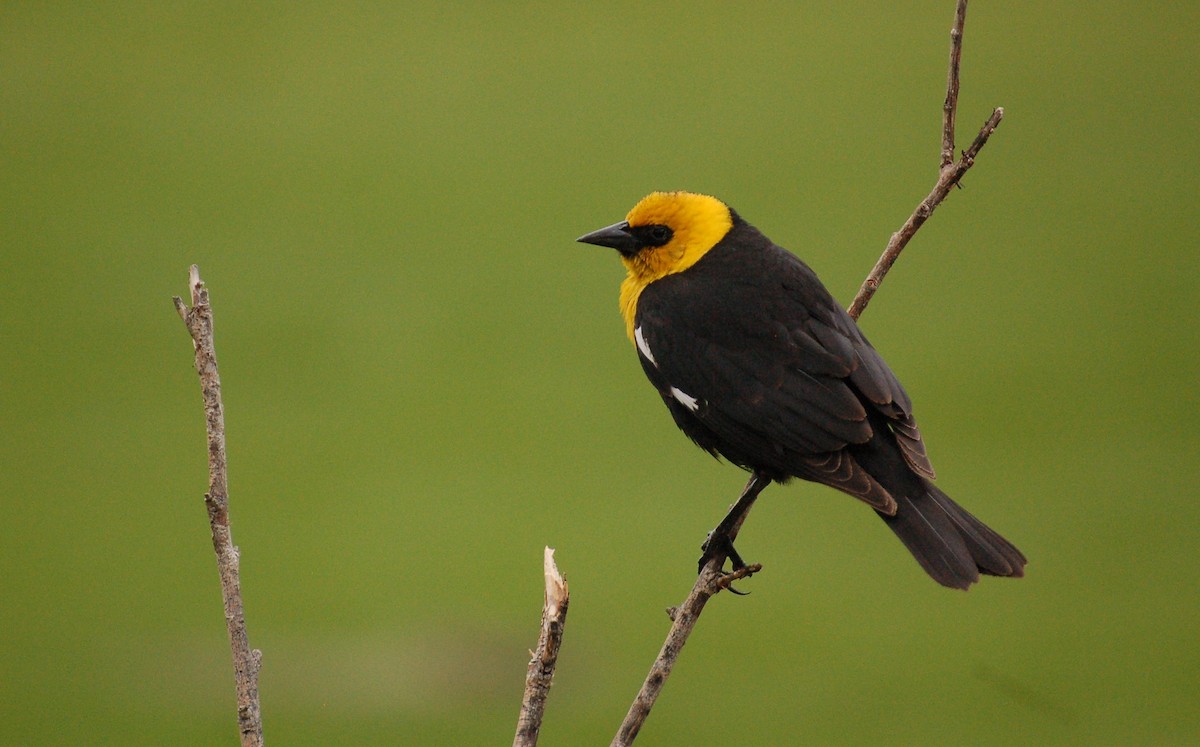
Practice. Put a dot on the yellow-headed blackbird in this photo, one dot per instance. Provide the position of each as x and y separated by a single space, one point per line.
759 364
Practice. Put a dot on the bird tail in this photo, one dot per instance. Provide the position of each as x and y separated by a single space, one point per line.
950 544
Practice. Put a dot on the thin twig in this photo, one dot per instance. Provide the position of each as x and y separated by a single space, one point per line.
246 662
950 107
949 175
545 657
712 579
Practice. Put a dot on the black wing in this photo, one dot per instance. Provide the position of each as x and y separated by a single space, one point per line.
758 363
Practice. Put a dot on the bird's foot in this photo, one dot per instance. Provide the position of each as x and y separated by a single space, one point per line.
718 545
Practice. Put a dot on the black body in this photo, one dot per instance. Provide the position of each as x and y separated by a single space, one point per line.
776 377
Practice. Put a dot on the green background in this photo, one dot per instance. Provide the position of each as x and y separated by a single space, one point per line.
427 380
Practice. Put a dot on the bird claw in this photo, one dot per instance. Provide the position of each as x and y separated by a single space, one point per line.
746 571
729 588
718 544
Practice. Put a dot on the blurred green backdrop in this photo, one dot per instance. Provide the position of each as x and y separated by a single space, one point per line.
427 380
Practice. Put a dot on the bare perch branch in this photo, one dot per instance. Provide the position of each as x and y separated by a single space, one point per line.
246 662
545 657
711 581
948 176
684 619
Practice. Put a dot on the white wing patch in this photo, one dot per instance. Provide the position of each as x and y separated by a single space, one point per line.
643 348
685 399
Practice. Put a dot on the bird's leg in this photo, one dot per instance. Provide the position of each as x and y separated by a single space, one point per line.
720 540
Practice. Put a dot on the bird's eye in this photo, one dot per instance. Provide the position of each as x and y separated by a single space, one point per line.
658 235
652 236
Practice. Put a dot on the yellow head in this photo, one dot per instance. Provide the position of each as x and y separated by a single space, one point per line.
665 233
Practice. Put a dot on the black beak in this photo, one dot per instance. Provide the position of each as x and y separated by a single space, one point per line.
616 236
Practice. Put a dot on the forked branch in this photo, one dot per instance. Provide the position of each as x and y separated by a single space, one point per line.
949 174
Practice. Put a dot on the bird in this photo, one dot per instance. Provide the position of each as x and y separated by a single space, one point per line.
758 363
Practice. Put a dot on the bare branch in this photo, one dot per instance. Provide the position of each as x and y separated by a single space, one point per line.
246 662
545 657
950 107
968 156
948 176
684 619
712 580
